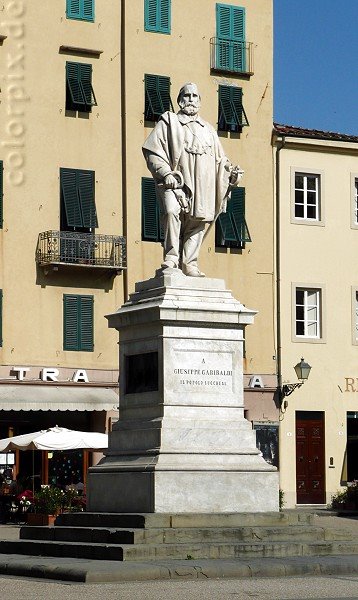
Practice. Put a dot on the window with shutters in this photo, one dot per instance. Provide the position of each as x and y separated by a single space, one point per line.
80 9
79 91
78 208
78 323
1 193
231 114
230 38
157 15
231 228
157 96
152 230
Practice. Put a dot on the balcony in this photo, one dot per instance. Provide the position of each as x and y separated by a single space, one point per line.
231 56
87 250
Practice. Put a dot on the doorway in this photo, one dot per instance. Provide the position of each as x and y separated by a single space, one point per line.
352 446
310 464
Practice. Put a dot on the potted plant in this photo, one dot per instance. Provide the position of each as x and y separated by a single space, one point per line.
47 504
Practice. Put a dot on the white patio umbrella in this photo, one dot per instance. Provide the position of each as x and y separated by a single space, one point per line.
56 438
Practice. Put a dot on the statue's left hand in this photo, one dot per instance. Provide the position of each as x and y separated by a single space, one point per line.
235 176
170 182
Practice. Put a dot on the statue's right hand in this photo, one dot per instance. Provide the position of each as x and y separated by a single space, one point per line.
170 182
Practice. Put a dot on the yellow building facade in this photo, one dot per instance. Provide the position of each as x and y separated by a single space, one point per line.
83 84
316 193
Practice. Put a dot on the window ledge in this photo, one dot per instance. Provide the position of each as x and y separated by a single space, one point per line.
80 51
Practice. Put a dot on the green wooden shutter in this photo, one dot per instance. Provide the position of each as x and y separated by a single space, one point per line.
86 189
157 15
71 200
1 193
157 96
85 78
74 84
237 211
73 9
71 338
151 228
231 228
0 317
87 10
164 16
79 86
232 116
150 15
78 323
86 323
230 31
80 9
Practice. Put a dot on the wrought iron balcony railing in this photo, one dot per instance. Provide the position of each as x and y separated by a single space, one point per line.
56 248
231 56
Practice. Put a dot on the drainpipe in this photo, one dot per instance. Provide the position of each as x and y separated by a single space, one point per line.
278 270
124 138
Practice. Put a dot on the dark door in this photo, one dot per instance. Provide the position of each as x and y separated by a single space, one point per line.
310 471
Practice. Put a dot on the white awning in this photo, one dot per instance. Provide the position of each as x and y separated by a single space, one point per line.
56 397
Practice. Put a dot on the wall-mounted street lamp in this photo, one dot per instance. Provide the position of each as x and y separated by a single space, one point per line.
302 371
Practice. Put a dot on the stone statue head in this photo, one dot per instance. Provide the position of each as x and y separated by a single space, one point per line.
189 99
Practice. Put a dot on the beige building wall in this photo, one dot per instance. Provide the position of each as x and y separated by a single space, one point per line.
319 256
37 138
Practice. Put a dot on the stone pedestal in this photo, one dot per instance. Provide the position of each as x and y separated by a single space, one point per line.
181 443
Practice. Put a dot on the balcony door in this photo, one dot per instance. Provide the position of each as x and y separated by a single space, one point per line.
78 217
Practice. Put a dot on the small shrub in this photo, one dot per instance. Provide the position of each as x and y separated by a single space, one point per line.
347 498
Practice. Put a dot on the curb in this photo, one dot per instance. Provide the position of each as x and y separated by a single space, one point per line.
112 572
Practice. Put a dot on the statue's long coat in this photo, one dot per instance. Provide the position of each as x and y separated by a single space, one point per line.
190 145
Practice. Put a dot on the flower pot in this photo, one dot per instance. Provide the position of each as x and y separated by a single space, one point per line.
40 519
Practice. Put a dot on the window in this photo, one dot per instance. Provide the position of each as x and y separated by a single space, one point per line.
80 9
157 96
78 208
0 318
151 225
79 91
308 313
78 323
1 193
307 196
231 229
354 217
232 116
355 315
157 15
230 33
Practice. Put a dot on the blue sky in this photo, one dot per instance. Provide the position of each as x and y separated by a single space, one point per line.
316 64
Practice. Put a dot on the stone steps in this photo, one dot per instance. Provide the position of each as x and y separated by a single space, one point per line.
147 537
180 535
148 552
189 520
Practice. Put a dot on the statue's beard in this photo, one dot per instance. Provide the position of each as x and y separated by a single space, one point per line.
190 109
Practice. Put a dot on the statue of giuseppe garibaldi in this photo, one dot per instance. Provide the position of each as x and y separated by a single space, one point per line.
193 179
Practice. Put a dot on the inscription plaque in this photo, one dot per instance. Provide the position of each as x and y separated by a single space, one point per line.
203 371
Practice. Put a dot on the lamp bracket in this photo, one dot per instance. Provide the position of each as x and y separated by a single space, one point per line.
288 388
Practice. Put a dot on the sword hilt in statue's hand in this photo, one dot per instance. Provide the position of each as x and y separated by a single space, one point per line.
235 175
